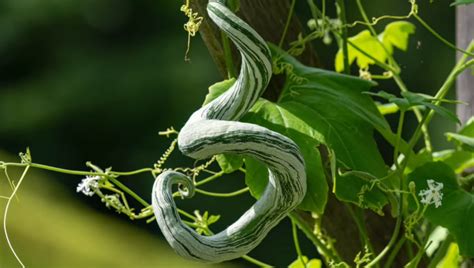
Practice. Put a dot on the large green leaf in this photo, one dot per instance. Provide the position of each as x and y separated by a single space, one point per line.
341 117
457 210
277 118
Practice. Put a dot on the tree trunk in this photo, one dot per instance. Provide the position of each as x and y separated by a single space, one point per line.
465 82
268 18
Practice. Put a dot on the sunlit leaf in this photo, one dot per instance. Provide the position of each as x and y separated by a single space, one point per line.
366 42
396 35
313 263
217 89
451 259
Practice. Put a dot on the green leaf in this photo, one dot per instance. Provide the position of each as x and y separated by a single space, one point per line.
341 117
442 111
457 160
366 42
229 163
313 263
467 143
468 128
396 35
451 259
217 89
462 2
465 136
275 117
457 209
256 176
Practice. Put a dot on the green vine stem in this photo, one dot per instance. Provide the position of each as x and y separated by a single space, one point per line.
396 75
330 254
460 67
229 63
345 50
439 37
297 243
5 215
232 194
287 24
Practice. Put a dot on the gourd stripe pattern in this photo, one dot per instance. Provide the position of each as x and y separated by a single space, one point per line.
213 130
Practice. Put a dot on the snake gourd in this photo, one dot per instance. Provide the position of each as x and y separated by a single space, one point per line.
214 129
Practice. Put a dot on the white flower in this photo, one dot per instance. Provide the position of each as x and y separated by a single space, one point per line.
88 185
433 194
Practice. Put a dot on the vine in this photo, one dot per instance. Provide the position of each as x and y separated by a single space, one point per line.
418 185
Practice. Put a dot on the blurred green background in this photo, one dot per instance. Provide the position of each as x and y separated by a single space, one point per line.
95 80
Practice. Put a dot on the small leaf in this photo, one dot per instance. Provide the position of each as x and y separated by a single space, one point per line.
443 112
468 128
396 35
217 89
313 263
229 163
451 259
467 143
367 43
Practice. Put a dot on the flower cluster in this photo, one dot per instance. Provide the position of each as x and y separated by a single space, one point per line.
433 194
88 185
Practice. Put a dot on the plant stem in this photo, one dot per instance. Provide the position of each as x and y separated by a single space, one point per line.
210 178
394 252
393 239
255 261
364 237
229 63
287 24
232 194
459 68
297 243
345 51
129 191
5 215
330 254
399 137
440 38
395 72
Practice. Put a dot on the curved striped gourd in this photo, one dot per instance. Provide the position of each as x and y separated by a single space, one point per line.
213 130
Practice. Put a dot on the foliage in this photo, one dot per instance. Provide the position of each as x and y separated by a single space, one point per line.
395 35
333 118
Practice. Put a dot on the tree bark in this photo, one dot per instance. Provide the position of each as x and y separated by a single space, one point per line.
465 82
268 18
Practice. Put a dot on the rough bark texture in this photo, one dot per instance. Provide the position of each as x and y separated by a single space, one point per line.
465 82
268 17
